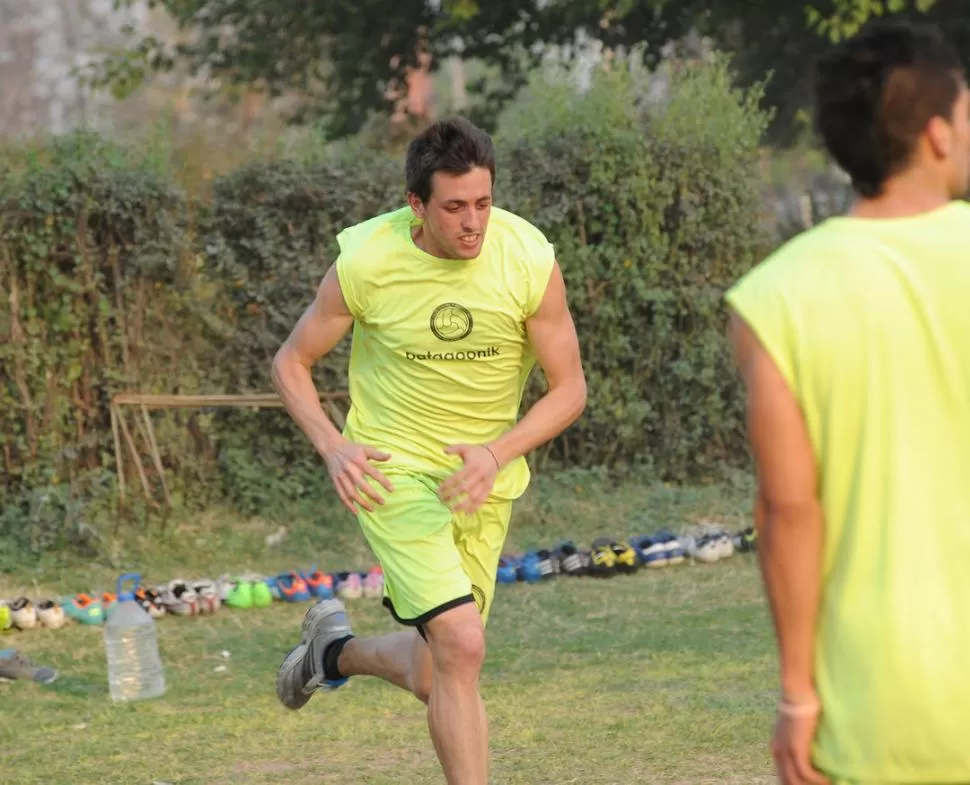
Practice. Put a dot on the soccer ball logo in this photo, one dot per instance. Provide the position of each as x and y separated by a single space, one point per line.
451 322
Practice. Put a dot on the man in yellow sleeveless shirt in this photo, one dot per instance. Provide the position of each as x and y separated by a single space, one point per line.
854 344
452 302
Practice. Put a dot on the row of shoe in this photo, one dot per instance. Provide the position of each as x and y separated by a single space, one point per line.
253 591
176 597
192 597
22 614
607 556
705 543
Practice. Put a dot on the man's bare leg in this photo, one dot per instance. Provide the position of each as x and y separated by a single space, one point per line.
444 673
456 713
402 658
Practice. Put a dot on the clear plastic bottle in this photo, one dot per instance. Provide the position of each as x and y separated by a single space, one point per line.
134 666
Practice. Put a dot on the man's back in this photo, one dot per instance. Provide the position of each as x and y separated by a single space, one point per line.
868 320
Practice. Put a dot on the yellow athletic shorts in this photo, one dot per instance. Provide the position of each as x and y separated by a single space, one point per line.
433 559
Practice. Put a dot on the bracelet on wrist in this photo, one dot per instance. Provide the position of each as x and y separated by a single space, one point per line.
494 456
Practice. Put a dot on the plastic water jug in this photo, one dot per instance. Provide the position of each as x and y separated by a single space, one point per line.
130 640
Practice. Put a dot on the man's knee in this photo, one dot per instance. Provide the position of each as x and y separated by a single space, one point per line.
457 640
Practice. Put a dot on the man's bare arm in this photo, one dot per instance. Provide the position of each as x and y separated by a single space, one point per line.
788 514
322 326
553 336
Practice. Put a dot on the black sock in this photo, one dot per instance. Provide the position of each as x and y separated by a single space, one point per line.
331 656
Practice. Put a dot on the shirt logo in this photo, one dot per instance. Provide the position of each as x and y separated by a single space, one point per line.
451 322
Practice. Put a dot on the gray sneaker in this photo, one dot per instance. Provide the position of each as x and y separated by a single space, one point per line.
301 673
14 665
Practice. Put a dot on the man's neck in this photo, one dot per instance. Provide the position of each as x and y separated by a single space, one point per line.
903 196
424 242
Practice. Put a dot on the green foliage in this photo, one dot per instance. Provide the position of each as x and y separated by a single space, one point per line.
270 238
342 61
846 17
113 281
336 60
654 213
95 270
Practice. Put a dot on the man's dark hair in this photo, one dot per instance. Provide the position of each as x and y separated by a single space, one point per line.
454 146
876 92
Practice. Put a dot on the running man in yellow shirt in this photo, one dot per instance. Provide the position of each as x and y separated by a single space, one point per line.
854 344
452 303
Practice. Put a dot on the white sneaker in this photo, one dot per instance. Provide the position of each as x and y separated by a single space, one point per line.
206 597
707 550
23 614
725 546
179 598
51 615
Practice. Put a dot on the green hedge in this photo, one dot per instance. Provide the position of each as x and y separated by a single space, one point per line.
655 210
100 292
113 281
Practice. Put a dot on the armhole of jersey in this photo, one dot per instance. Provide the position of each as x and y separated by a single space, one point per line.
539 283
347 288
771 332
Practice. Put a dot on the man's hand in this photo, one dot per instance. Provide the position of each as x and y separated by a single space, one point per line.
791 748
468 488
349 466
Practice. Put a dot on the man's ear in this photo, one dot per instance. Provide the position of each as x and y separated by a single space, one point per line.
939 137
417 206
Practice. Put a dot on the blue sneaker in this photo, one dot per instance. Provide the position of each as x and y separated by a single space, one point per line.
529 569
292 587
507 570
676 552
651 549
319 583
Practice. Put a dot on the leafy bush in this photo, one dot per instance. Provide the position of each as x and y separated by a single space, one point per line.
654 206
99 295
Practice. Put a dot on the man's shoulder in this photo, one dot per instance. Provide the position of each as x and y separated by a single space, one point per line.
806 254
511 224
379 229
519 236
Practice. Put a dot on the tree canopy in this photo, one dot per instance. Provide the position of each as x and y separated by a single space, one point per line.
343 59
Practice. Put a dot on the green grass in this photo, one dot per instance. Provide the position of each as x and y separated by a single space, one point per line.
663 677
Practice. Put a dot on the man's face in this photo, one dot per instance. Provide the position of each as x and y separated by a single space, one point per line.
456 215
